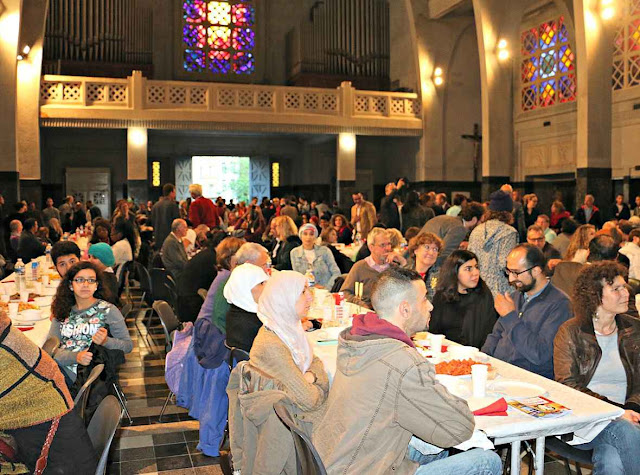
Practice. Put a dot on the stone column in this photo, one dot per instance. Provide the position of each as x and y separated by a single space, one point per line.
32 29
594 37
494 21
9 33
346 168
137 175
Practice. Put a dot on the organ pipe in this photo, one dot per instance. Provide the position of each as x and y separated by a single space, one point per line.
110 31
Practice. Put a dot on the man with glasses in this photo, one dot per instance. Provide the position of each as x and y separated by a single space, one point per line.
530 316
536 237
366 270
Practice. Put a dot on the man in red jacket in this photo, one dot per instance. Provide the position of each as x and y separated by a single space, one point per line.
202 210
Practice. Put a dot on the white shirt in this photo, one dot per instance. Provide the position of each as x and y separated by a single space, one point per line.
310 255
122 252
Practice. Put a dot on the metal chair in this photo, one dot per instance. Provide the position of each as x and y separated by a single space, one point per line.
80 401
307 458
203 293
236 355
170 323
102 428
51 345
569 454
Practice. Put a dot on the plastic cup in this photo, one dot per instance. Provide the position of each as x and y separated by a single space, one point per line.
5 298
24 296
45 280
479 374
435 341
13 309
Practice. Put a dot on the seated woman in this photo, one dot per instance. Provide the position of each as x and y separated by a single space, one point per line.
463 304
596 352
124 243
81 316
282 354
341 225
35 404
242 291
328 238
286 233
55 230
317 258
101 231
423 252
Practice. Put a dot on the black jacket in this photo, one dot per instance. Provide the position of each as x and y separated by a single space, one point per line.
283 257
198 273
242 328
389 211
469 320
624 214
29 247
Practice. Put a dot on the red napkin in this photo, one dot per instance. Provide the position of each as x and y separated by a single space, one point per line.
498 408
25 329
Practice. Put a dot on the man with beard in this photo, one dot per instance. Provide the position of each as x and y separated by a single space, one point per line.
530 316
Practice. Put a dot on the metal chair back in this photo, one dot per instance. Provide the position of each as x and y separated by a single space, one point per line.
80 401
168 320
103 427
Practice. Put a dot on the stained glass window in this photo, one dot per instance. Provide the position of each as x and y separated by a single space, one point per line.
626 48
219 36
547 70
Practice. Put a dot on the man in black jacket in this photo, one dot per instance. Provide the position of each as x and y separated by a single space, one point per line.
163 213
389 213
30 247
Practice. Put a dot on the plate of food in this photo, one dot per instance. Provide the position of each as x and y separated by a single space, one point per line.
31 315
22 306
462 368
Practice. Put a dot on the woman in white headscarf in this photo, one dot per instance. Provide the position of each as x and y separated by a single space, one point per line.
281 349
242 291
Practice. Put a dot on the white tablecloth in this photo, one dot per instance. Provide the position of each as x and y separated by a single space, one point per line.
40 330
587 418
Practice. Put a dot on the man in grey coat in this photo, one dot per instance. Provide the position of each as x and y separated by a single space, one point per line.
163 213
454 229
174 255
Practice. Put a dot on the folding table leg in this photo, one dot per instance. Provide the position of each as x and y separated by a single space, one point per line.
515 457
540 455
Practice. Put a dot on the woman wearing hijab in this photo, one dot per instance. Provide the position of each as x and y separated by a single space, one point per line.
317 258
242 291
281 349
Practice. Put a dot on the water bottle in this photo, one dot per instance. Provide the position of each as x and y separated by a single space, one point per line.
35 270
21 283
310 277
358 239
47 254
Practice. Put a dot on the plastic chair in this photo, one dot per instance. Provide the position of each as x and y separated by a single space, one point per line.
51 345
82 397
569 454
203 293
307 457
158 281
103 427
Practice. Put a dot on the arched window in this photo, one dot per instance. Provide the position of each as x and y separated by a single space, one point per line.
548 66
219 37
626 48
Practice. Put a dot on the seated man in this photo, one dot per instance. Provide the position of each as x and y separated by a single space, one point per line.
101 255
14 239
64 255
384 392
530 316
29 246
174 254
536 237
366 270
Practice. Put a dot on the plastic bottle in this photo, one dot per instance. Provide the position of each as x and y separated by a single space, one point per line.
311 278
21 283
35 270
47 254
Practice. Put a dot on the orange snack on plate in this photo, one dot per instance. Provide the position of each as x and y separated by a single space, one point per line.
457 367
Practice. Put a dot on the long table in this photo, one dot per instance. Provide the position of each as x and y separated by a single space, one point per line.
587 418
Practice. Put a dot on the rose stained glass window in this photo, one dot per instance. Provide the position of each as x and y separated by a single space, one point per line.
219 36
547 69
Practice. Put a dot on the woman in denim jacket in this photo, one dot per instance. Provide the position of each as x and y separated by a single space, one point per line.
318 258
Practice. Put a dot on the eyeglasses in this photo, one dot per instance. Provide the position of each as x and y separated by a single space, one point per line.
433 249
538 239
515 273
82 280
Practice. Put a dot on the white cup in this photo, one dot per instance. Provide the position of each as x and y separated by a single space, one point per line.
13 309
24 296
45 280
435 342
479 374
5 298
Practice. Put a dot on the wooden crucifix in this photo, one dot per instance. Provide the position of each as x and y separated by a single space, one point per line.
476 138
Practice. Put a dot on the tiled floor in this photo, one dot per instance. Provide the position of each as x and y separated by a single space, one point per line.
148 446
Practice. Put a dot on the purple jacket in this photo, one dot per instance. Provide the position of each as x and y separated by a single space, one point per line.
208 340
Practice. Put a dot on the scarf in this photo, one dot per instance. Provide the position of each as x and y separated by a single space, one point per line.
371 324
277 312
238 289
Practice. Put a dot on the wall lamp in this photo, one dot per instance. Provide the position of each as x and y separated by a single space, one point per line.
503 51
24 53
438 78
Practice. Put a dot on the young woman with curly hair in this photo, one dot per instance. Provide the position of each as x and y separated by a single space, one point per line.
463 304
81 316
596 352
580 242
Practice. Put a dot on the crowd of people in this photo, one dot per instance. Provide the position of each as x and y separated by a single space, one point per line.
501 276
